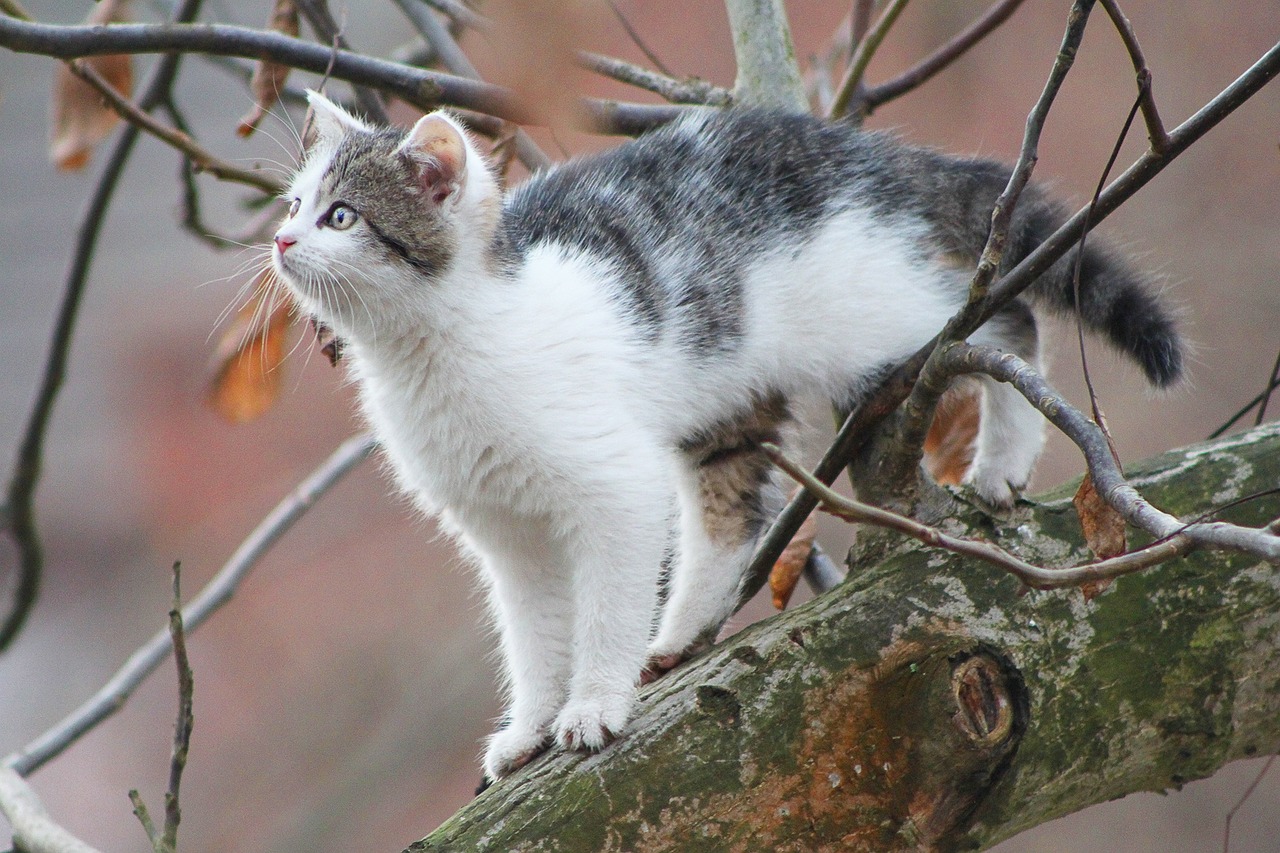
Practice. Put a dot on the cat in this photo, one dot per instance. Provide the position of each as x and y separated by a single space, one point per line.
563 372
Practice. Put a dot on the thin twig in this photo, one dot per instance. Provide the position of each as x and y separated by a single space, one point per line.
866 48
636 40
1244 798
182 728
421 87
143 814
1037 577
1079 262
18 515
1247 407
1146 100
1266 395
202 159
112 696
901 460
924 70
438 37
327 30
689 91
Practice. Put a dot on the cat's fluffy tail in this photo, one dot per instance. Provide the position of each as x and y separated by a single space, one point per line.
1115 301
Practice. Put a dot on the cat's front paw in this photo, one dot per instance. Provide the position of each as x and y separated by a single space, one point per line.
510 749
592 724
661 662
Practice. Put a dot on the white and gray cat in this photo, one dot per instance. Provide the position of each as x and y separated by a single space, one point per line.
560 372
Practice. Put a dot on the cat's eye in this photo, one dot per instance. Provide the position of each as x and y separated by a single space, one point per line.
341 217
293 207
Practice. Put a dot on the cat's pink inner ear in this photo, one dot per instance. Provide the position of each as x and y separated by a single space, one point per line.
441 154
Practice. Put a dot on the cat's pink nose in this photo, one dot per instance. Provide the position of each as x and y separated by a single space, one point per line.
283 243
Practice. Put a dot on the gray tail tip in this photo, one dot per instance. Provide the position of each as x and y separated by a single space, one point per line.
1161 360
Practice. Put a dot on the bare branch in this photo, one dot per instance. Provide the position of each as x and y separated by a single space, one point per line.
182 728
767 70
17 517
459 13
866 48
690 91
425 89
1155 127
925 69
326 28
636 40
112 696
33 830
1031 575
201 158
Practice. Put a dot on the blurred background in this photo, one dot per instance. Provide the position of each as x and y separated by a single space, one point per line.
341 697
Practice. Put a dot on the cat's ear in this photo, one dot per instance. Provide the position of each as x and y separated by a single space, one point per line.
326 122
439 151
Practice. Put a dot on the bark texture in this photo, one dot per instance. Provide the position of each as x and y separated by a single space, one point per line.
930 703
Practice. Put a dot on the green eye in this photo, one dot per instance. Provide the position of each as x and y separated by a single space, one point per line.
341 217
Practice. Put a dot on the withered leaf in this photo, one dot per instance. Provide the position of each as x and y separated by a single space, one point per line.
79 118
948 446
1104 529
246 382
786 572
269 77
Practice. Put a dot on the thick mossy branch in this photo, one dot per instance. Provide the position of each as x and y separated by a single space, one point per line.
929 701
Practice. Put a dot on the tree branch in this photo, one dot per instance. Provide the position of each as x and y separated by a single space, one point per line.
17 517
865 49
767 71
927 703
33 830
425 89
675 91
935 62
217 592
1146 100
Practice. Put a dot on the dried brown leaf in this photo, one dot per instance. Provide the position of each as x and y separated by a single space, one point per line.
269 77
246 382
1104 529
786 572
949 445
80 119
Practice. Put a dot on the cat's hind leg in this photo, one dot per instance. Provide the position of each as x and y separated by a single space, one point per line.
728 491
1010 430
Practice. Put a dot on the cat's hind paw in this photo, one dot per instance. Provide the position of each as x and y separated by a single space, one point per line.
995 488
510 749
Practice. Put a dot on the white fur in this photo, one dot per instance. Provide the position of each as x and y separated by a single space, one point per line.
544 428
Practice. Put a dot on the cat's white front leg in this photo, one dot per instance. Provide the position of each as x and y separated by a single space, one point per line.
616 592
532 605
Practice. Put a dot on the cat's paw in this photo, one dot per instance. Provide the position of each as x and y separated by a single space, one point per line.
589 725
997 488
661 662
510 749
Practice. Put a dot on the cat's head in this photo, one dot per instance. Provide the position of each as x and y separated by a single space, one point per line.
377 215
